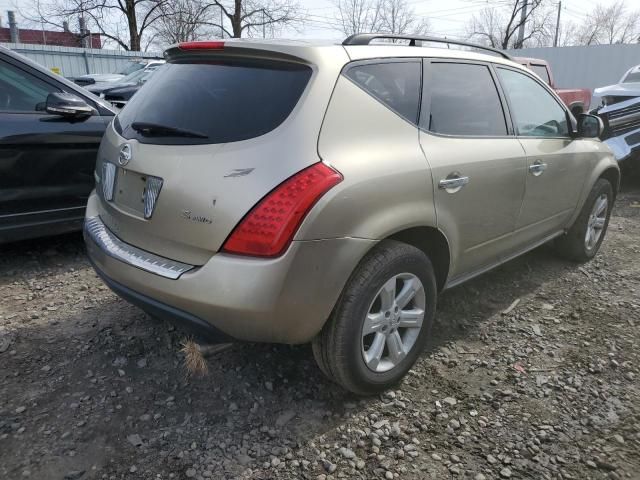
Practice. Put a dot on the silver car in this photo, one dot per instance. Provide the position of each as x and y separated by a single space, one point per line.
620 112
297 192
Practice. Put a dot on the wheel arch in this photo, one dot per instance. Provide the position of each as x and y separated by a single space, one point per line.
434 244
606 168
612 174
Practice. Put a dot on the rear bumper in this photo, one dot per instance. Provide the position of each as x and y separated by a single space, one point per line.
199 327
281 300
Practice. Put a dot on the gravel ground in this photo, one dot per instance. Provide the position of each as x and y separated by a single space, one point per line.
90 387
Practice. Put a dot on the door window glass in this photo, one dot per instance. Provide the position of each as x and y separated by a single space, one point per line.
20 91
536 112
464 101
396 84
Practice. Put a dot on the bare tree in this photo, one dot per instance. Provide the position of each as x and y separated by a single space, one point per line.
609 24
256 17
122 21
185 20
567 34
614 23
486 27
499 26
383 16
358 16
397 17
126 21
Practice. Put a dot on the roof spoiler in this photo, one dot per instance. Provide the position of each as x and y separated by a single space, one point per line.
226 49
416 41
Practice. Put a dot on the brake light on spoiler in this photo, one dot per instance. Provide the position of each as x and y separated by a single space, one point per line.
269 227
201 45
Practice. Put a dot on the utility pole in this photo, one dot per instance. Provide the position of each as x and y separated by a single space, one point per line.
555 39
221 27
263 25
523 19
13 27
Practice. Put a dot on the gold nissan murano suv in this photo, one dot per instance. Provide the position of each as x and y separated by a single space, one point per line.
290 191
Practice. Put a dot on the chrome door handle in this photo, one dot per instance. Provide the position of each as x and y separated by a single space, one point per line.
537 168
452 183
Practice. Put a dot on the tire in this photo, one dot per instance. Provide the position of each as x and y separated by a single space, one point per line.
389 271
575 245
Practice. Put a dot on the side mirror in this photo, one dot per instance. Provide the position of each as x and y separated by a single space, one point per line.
67 105
589 126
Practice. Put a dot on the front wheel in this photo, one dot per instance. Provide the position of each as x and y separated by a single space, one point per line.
381 322
583 240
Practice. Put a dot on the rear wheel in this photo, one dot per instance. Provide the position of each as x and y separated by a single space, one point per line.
583 240
381 321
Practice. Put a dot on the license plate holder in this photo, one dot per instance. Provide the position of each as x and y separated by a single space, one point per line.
130 191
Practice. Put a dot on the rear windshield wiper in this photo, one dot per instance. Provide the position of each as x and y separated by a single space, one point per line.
156 130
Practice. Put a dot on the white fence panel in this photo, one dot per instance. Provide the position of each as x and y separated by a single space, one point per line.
586 66
73 62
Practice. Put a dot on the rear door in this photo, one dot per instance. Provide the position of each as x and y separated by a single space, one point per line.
478 165
557 165
46 161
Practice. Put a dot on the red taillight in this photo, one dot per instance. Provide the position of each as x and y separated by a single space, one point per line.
268 228
201 45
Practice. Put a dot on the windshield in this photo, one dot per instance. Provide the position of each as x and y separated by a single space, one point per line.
133 77
139 76
147 74
224 101
131 67
633 77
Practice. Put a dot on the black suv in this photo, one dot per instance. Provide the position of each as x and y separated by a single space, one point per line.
50 130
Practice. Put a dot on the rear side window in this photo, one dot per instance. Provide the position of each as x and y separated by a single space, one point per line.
213 101
542 72
396 84
464 101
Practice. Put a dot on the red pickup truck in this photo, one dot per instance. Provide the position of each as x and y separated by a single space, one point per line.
577 99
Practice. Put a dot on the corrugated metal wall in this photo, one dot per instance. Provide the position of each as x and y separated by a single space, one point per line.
74 62
586 67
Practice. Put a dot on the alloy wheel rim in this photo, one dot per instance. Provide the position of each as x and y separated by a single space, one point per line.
597 220
393 322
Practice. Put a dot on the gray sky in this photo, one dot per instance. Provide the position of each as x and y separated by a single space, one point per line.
446 17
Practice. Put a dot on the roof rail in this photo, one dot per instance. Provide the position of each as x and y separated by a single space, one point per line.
366 38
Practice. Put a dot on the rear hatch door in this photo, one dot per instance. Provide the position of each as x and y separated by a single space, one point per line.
206 138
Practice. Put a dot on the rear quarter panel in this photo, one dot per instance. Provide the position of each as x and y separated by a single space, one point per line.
387 183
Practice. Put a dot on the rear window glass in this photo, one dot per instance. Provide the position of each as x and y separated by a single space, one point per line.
396 84
542 72
213 102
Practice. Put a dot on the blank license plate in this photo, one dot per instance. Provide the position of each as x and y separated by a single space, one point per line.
130 191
